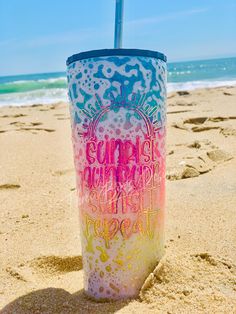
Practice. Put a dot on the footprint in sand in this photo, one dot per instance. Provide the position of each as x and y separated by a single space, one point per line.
198 120
47 108
228 132
35 123
204 157
9 186
61 116
171 152
219 155
218 119
57 264
17 123
24 125
204 128
172 95
196 166
180 125
14 115
178 111
15 274
182 104
25 128
44 109
183 93
188 104
181 172
195 144
62 172
202 120
37 105
202 123
36 129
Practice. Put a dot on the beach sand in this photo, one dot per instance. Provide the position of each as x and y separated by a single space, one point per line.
40 256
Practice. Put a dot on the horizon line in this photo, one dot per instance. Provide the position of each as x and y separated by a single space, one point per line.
172 61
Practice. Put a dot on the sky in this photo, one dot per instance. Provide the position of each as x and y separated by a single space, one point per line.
37 36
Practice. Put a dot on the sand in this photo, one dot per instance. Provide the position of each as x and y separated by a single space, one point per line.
41 267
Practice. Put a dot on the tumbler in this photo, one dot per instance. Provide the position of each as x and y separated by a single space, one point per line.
118 120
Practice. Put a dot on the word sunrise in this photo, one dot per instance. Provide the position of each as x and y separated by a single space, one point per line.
115 163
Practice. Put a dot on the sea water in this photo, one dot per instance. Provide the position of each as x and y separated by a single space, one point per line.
46 88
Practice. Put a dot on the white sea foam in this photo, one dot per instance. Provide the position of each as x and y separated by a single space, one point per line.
54 80
48 80
171 87
40 96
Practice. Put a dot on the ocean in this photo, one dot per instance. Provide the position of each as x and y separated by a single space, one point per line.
46 88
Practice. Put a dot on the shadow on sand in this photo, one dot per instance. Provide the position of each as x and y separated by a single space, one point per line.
55 301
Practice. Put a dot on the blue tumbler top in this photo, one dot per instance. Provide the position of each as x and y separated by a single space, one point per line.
116 52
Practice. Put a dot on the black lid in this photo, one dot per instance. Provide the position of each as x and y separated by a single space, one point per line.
116 52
